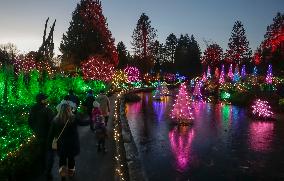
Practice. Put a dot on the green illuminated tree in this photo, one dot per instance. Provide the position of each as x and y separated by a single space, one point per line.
21 91
2 85
33 85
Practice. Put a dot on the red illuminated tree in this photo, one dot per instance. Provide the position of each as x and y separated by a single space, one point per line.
97 68
271 50
212 56
88 35
238 51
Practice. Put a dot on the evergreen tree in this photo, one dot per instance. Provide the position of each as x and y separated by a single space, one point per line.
22 92
181 109
122 55
271 50
171 45
238 51
212 56
88 35
181 59
194 55
159 55
144 36
187 56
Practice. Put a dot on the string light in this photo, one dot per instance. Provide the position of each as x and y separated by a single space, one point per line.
261 109
230 73
181 109
97 68
269 75
132 73
222 76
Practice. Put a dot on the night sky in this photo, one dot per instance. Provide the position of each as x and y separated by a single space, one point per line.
22 21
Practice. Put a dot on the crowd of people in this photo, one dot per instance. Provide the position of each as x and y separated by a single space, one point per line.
58 133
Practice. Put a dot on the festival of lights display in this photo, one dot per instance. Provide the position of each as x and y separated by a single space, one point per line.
208 73
236 75
216 73
119 80
260 136
230 73
181 111
243 72
261 109
269 75
222 75
204 78
254 71
97 68
181 142
132 73
197 92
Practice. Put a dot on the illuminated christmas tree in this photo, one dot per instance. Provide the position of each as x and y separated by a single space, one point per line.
97 68
204 78
197 93
269 75
21 91
181 109
222 76
208 73
254 71
132 73
216 74
230 73
236 74
164 89
243 72
88 35
261 109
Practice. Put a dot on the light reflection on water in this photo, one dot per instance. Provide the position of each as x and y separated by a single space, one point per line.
261 134
221 140
181 139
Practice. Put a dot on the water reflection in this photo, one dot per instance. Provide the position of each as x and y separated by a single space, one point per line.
181 140
222 144
160 108
261 135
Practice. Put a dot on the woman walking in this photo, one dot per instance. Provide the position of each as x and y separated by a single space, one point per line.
64 129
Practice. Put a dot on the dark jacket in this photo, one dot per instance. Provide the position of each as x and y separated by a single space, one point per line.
74 99
40 118
89 103
68 144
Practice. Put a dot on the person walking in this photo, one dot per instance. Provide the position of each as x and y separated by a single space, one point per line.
100 128
104 102
64 129
39 120
89 106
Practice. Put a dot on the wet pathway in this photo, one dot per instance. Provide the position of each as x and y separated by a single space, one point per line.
90 164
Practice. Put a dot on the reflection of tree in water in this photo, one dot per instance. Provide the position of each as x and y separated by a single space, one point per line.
261 135
145 126
181 140
160 108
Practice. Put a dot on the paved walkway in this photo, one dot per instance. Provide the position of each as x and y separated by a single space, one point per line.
90 164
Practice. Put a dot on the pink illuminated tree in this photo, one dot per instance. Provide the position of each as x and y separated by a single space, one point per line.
181 108
261 109
132 73
230 73
269 75
197 91
222 78
204 78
